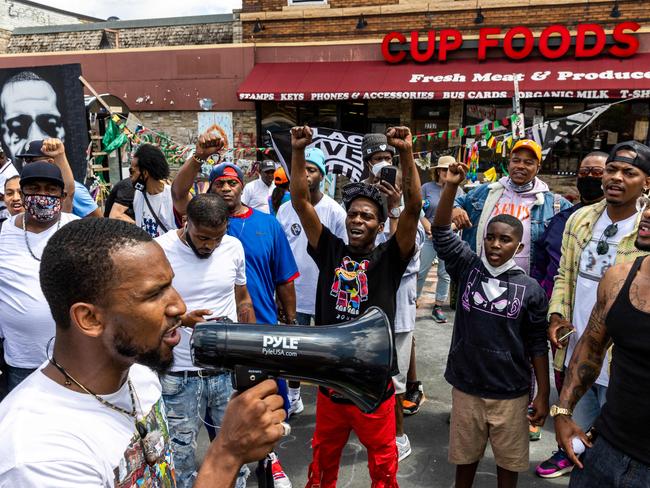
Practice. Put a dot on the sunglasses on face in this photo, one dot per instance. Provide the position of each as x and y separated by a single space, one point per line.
19 126
596 171
603 247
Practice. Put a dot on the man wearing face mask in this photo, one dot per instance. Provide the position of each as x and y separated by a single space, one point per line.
26 320
595 238
521 194
153 205
547 248
198 253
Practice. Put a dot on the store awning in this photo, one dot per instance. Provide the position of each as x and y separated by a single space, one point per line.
604 78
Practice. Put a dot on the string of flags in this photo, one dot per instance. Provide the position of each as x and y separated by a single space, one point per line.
470 130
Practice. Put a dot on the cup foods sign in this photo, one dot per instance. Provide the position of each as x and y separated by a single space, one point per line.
588 41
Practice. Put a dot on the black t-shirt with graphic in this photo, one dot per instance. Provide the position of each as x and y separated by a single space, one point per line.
349 283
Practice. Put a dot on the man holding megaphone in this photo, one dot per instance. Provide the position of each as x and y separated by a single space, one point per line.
352 278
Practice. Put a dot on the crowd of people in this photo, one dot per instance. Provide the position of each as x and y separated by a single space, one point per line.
97 310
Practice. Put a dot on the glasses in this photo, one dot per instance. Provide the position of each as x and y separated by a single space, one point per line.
20 126
596 171
603 247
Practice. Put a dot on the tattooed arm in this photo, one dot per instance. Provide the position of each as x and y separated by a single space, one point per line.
245 312
587 359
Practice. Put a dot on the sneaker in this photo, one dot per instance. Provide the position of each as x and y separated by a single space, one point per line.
438 315
403 447
413 398
534 433
555 466
280 479
295 406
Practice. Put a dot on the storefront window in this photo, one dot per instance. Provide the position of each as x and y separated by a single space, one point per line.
430 117
277 116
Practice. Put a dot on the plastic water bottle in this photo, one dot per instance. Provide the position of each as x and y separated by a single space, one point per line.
578 445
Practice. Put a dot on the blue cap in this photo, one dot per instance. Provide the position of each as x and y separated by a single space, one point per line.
32 150
315 156
41 171
228 170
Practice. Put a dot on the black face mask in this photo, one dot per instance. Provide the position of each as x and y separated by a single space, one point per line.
590 188
140 183
193 247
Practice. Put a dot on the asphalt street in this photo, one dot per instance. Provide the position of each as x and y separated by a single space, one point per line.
428 430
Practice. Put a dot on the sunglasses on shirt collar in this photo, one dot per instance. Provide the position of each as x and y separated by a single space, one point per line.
603 246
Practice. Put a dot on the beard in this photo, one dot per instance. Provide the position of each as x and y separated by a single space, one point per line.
641 246
151 358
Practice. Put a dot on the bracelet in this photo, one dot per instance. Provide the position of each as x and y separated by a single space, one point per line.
198 160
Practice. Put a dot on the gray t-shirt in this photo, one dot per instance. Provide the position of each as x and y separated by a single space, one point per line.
431 192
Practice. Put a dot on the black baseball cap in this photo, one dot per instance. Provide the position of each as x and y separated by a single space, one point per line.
267 165
41 171
641 160
32 150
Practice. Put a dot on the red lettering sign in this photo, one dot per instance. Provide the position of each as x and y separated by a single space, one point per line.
449 40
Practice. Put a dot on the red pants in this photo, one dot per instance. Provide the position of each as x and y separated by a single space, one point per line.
376 431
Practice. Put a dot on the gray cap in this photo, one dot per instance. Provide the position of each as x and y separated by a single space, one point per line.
374 143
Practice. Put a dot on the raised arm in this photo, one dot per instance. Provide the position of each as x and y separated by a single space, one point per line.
206 145
54 148
455 176
587 360
299 188
400 138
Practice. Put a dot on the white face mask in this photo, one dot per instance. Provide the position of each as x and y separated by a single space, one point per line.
507 266
376 169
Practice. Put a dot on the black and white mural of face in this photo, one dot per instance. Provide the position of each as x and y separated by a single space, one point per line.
40 103
29 112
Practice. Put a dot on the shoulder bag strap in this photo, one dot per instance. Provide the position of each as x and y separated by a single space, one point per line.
155 216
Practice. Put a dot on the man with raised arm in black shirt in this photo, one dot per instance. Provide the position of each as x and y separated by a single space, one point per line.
352 278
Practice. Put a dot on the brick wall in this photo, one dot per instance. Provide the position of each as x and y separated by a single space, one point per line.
15 14
278 5
182 126
5 36
383 16
154 36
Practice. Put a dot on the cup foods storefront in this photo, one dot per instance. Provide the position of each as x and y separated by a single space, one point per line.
441 82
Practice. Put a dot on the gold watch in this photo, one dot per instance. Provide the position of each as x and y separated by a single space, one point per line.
555 410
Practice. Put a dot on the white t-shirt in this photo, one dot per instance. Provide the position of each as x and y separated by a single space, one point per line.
162 203
256 195
204 283
592 269
332 216
53 437
25 318
406 297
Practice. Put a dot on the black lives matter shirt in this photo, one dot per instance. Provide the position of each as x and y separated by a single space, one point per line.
350 283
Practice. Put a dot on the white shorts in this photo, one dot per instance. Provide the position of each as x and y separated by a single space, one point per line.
403 345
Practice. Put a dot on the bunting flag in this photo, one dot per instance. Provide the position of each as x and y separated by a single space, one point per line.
549 134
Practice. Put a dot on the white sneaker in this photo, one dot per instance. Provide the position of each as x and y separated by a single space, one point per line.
280 479
403 447
295 406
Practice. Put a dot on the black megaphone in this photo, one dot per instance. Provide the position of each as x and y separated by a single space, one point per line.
353 358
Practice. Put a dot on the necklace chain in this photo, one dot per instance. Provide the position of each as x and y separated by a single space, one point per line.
106 403
29 248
